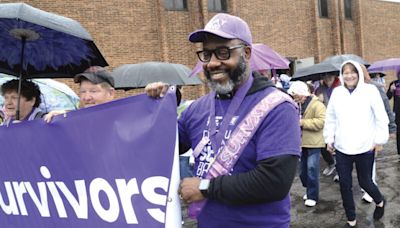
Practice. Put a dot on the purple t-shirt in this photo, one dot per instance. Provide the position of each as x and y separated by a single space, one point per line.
278 134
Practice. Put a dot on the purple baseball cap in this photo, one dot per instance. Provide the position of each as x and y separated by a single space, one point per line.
225 26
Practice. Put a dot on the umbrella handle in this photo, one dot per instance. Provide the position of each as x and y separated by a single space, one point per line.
17 113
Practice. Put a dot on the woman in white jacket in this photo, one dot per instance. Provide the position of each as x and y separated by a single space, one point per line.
356 126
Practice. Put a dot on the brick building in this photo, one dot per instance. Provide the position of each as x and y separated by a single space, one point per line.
133 31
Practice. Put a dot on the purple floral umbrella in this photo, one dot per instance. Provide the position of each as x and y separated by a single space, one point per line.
384 65
38 44
262 58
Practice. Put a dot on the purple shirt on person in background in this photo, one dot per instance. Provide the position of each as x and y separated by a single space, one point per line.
278 134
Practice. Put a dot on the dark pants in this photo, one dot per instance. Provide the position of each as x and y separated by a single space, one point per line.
327 156
344 167
398 138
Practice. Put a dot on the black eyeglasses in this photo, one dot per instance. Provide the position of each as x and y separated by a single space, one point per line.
222 53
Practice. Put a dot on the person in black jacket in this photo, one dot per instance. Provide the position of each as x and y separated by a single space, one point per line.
394 91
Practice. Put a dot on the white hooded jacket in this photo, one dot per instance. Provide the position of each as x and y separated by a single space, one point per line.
356 121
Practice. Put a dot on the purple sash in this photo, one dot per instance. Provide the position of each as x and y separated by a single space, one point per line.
227 158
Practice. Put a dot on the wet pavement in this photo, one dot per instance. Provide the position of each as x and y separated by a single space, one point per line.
329 212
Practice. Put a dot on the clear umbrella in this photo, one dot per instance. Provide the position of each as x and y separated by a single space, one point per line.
55 95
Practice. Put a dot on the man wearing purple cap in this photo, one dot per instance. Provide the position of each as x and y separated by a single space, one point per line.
244 165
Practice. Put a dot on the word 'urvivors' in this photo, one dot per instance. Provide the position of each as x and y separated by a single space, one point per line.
125 190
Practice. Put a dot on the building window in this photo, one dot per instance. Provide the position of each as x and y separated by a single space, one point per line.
347 9
218 5
175 4
323 8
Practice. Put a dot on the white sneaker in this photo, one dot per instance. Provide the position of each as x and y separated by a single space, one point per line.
305 197
367 198
329 170
310 203
336 178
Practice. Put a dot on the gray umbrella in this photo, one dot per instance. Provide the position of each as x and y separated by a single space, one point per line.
339 59
315 72
130 76
330 65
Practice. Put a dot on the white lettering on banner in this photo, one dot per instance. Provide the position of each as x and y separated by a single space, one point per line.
82 202
19 189
12 207
57 200
154 198
126 191
41 203
96 186
15 192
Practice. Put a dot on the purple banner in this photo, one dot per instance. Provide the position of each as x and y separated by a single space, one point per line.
105 166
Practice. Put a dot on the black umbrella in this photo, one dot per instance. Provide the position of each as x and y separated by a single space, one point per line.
330 65
38 44
315 72
130 76
339 59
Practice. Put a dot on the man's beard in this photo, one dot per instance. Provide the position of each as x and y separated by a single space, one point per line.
236 77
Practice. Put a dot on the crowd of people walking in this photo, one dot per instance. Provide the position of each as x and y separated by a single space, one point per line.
347 119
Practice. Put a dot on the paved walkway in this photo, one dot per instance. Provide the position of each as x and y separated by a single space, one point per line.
329 212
